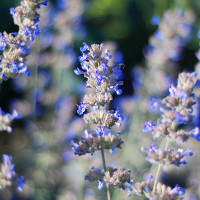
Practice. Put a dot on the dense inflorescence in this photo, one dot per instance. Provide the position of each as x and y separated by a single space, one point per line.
177 116
7 174
176 110
104 79
6 120
15 46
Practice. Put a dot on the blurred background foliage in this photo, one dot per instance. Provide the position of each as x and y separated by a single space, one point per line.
127 23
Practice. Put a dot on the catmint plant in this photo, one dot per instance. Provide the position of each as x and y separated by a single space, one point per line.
104 79
15 46
176 113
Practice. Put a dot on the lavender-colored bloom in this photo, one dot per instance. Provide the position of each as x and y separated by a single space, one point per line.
172 90
9 167
23 49
15 115
155 20
100 131
117 73
118 115
100 184
99 78
36 29
106 56
27 72
148 127
83 57
37 18
20 181
159 35
2 42
12 11
27 30
178 190
81 108
116 89
155 103
28 33
104 66
77 71
85 47
14 67
44 3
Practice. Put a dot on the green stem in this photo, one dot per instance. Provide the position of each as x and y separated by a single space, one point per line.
159 168
103 160
104 167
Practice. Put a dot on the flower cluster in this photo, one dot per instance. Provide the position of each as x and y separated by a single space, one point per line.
6 120
176 109
119 178
104 79
166 157
91 143
7 174
174 124
15 46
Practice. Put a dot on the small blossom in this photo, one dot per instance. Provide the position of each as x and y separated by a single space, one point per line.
81 108
3 42
118 115
12 11
104 66
20 183
148 127
100 131
44 3
100 184
78 71
155 20
99 78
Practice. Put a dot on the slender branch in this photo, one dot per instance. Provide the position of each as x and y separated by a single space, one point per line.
103 159
102 155
104 167
159 168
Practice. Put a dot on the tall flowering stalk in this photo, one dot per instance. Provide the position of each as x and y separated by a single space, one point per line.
104 79
176 113
15 46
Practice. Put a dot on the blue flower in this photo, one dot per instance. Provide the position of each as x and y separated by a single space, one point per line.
100 131
155 20
104 66
28 33
85 47
178 190
99 78
36 29
81 108
106 56
100 184
77 71
118 115
44 3
14 67
3 42
12 11
20 181
148 127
